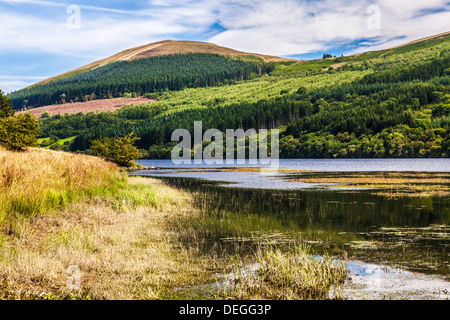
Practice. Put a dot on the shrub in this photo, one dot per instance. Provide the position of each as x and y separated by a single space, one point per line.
118 150
16 132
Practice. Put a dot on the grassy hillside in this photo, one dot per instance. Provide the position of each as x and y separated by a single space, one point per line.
417 50
389 103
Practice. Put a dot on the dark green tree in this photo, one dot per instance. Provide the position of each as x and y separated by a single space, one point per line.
6 107
16 132
118 150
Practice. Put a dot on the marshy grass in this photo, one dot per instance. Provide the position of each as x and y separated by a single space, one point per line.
59 210
285 275
125 245
386 184
39 181
128 236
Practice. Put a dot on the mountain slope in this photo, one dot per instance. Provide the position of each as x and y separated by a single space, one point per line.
418 46
113 77
141 76
391 103
164 48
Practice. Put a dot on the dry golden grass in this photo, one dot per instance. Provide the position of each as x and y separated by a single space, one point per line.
129 237
124 250
40 180
60 210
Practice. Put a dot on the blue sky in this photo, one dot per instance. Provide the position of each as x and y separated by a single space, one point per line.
41 38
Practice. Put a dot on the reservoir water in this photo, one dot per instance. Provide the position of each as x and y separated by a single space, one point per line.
401 240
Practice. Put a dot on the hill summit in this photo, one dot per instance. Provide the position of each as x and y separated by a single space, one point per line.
165 48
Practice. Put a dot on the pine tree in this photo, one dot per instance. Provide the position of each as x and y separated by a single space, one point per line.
6 107
16 132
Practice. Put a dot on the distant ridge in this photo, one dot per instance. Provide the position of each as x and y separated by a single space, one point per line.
437 36
164 48
171 47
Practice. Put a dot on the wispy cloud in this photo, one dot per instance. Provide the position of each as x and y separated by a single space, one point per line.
291 27
65 5
101 33
285 27
12 83
277 27
34 2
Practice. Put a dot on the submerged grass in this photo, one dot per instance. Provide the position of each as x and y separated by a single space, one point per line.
387 184
285 275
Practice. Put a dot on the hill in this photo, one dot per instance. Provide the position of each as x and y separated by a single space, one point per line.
172 47
389 103
141 76
167 65
165 48
418 46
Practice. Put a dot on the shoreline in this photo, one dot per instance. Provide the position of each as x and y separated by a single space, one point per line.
131 237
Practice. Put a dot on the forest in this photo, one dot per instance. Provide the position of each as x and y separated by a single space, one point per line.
392 103
144 76
395 112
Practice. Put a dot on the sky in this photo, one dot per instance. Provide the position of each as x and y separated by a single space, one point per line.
43 38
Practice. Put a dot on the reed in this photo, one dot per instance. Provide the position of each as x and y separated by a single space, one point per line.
279 274
40 181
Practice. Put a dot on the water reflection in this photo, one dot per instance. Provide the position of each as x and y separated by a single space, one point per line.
408 232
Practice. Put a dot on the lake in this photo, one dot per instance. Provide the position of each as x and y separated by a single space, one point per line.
331 165
410 234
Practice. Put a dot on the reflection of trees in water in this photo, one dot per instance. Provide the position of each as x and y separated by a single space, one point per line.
360 223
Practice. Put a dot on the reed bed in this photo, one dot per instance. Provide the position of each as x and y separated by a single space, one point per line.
39 181
291 274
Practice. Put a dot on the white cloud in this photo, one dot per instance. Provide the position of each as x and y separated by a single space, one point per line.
285 27
96 38
13 83
410 7
35 2
291 27
101 34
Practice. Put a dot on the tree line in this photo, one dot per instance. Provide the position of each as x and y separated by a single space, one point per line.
143 76
407 116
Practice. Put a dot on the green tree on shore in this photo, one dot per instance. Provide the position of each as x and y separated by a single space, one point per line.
121 151
16 132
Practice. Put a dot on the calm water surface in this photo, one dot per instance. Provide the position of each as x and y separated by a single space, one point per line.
333 165
242 208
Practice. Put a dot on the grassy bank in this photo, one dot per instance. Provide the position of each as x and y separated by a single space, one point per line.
39 181
60 210
128 236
